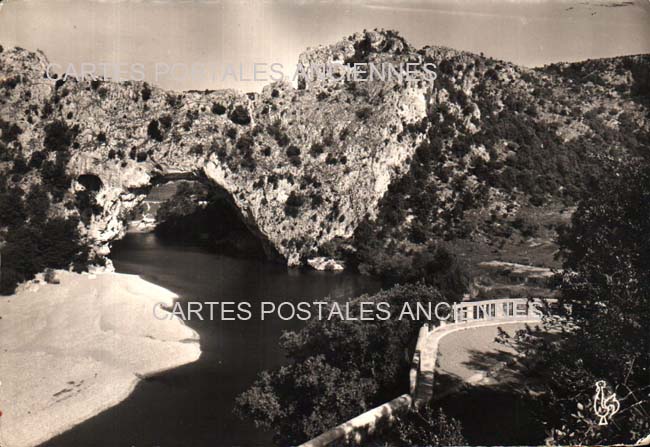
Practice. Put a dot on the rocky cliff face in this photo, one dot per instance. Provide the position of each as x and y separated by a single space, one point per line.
302 165
410 162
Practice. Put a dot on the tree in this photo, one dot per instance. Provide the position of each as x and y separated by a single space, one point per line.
54 176
302 400
293 204
427 427
434 265
32 241
218 109
37 203
605 287
376 348
240 116
12 211
58 136
359 364
153 130
37 158
145 92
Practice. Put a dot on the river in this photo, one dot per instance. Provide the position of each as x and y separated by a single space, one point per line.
192 405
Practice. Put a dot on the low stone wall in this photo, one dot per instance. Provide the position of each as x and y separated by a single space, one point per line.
417 358
355 429
429 353
421 375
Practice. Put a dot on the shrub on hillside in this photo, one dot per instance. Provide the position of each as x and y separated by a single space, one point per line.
293 153
218 109
153 130
54 176
58 136
276 131
30 249
293 204
9 131
36 160
145 92
240 116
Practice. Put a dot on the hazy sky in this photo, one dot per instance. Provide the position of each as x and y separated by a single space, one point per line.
528 32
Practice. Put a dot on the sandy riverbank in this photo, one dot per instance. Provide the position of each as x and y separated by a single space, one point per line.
71 350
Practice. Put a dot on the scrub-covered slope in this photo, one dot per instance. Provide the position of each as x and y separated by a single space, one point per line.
301 165
489 152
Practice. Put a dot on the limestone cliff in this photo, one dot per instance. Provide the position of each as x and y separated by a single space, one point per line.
490 156
303 166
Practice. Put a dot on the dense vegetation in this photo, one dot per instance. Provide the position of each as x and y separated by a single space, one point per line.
33 238
606 287
500 144
39 216
337 370
497 139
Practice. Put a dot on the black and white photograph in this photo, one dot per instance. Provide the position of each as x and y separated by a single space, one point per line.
324 223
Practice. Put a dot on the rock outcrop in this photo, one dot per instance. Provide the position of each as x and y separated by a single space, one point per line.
326 264
303 166
484 151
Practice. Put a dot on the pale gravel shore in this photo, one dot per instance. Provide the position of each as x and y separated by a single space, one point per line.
72 350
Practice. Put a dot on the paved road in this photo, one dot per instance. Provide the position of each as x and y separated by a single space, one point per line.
470 355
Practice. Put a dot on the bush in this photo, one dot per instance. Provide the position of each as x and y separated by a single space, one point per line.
9 131
153 131
426 426
12 211
302 400
240 116
245 144
293 204
316 149
54 176
218 109
37 159
58 136
31 249
275 130
37 205
145 93
10 83
364 113
50 276
293 153
166 121
20 166
87 205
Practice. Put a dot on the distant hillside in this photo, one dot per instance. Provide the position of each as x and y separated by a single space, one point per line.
486 162
507 154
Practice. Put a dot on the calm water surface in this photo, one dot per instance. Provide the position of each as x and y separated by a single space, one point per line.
192 405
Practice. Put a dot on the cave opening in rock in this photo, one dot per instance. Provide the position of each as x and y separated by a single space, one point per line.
196 213
91 182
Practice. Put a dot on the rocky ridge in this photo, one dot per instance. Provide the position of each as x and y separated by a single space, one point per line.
303 166
337 167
